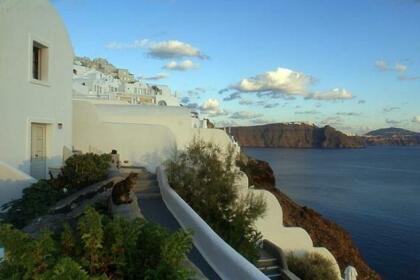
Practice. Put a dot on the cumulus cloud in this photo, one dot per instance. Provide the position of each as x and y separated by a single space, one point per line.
331 95
159 76
390 109
245 115
416 119
382 65
181 66
280 80
174 49
170 49
212 108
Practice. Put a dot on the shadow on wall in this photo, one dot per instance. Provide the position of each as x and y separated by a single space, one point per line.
13 180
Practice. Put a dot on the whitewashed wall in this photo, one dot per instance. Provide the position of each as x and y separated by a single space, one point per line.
22 100
224 260
143 135
12 183
289 239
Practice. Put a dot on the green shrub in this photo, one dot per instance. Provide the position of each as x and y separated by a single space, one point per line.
98 248
35 202
204 177
311 267
83 170
79 171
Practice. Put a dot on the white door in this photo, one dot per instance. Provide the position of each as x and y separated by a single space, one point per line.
38 151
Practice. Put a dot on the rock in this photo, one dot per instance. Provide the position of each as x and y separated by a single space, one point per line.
281 135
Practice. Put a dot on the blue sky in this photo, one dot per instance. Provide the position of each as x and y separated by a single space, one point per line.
352 64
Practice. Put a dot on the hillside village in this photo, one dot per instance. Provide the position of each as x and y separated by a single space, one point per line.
54 107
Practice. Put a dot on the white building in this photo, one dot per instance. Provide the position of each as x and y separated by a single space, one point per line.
92 84
36 59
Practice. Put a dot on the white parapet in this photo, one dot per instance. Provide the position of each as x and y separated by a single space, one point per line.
12 183
224 260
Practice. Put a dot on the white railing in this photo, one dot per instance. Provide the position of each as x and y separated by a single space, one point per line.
224 260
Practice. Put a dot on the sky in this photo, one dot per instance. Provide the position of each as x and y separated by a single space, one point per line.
354 65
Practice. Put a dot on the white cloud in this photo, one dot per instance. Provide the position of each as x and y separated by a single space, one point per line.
212 108
133 45
399 67
416 119
331 95
382 65
333 121
246 102
159 76
280 80
174 49
390 109
408 78
262 121
244 115
392 122
307 112
181 66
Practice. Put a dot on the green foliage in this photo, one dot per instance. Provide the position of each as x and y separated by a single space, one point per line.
78 171
205 178
35 202
98 248
311 267
84 170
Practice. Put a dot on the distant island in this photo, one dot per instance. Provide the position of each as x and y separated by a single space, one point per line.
392 136
302 135
294 135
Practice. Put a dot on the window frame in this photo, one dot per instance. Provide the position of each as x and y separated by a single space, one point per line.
43 61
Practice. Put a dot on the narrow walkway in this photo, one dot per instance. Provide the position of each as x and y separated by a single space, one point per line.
154 209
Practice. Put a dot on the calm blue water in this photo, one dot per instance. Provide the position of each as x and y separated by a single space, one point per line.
374 193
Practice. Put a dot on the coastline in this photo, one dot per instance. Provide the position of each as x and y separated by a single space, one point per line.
323 232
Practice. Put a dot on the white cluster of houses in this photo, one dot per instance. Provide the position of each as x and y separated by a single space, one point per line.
93 84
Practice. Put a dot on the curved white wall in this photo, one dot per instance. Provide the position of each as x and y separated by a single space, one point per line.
23 101
227 263
142 135
289 239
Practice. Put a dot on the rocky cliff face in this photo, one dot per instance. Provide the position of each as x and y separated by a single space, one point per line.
323 232
280 135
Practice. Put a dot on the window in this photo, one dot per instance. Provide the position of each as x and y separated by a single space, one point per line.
39 61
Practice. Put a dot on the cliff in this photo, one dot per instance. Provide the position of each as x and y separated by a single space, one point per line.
281 135
392 136
323 232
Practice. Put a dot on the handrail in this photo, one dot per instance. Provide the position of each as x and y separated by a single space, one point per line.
224 260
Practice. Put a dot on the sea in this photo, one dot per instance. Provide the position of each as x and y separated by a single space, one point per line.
374 193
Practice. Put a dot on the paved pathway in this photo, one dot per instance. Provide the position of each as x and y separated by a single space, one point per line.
154 209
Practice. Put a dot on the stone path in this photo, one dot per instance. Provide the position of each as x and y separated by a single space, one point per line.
154 209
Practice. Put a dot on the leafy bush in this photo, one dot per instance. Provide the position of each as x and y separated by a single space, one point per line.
204 177
311 267
79 171
83 170
98 248
35 202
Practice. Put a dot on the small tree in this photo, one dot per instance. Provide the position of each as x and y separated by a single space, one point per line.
204 176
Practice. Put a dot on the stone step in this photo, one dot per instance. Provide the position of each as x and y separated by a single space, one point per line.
269 268
144 185
148 195
266 262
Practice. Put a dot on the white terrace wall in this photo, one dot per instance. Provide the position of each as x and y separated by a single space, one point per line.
224 260
290 239
142 135
24 100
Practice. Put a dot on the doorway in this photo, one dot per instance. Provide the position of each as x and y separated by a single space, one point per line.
38 150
